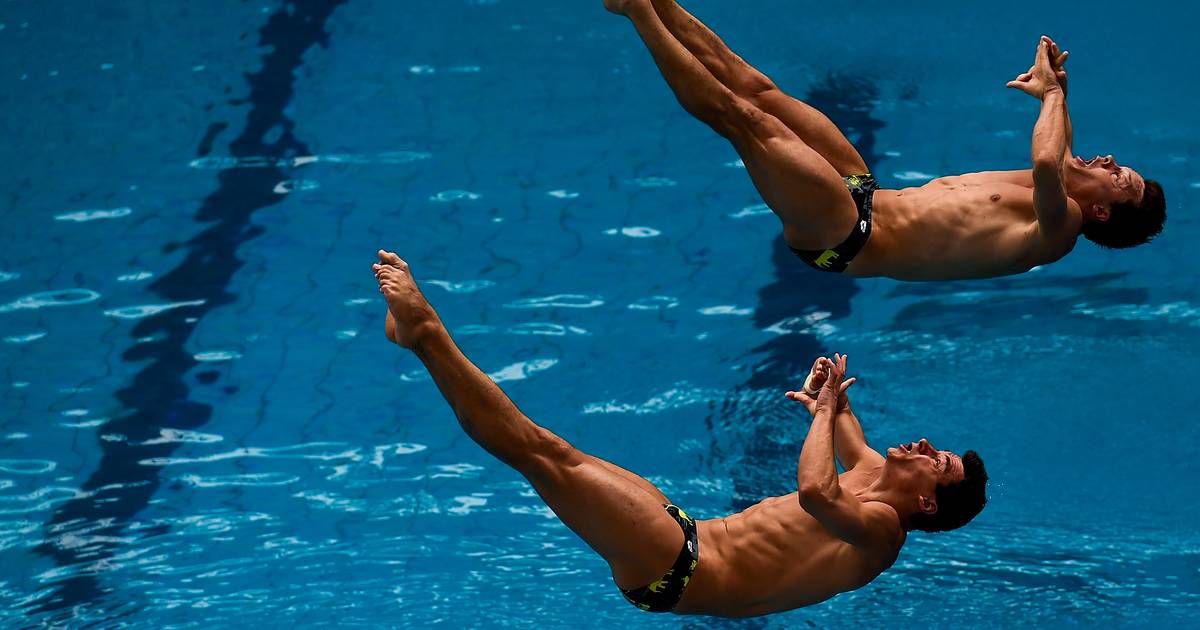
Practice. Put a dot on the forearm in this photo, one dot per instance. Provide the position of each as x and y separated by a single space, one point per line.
481 406
1050 133
848 437
817 474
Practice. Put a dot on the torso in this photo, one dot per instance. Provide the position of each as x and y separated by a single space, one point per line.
774 556
964 226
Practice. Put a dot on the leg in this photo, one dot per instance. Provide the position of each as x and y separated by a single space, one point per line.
813 127
796 182
617 513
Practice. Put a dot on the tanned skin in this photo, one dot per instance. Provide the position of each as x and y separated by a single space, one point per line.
975 225
835 534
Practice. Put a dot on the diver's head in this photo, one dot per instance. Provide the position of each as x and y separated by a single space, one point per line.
941 490
1120 208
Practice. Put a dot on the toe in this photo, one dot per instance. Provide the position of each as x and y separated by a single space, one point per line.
389 258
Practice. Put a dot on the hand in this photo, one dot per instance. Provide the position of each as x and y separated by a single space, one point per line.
409 314
821 371
1046 72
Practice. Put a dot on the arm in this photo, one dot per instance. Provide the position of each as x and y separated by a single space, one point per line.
849 443
1051 135
820 493
1048 154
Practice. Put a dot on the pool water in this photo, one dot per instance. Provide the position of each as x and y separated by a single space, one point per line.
203 425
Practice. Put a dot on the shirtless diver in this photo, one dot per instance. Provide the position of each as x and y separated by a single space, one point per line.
835 535
836 218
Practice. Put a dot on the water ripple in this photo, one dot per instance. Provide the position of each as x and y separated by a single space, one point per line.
146 310
64 297
27 466
562 300
92 215
521 370
468 286
296 451
247 479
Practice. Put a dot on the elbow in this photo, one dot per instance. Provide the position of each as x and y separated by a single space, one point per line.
1047 164
814 495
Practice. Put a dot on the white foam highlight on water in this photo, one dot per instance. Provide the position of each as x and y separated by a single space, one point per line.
634 231
92 215
475 329
27 466
356 301
892 153
247 479
146 310
654 303
467 286
521 370
809 323
295 185
465 503
726 309
17 339
217 355
1172 312
563 194
561 300
135 277
463 470
5 276
455 195
653 182
755 210
738 163
260 161
65 297
400 448
182 436
545 328
673 398
912 175
295 451
85 424
75 413
346 334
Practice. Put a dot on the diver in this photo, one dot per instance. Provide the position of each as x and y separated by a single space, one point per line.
837 219
835 534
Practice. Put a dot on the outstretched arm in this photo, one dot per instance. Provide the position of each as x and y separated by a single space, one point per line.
1050 139
858 523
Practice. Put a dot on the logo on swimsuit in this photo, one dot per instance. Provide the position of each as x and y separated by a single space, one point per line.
825 259
862 225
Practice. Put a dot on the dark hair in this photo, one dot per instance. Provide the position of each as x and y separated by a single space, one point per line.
1130 224
957 503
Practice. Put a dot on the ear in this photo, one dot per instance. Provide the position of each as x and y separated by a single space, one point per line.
1100 213
927 505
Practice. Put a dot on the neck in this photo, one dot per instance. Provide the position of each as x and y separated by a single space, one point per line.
884 492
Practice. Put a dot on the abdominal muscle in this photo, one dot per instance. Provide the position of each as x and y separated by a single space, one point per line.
968 226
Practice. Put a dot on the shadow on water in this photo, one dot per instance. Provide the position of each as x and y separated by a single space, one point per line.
156 402
753 436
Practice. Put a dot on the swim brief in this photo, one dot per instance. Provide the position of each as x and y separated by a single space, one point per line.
862 188
663 594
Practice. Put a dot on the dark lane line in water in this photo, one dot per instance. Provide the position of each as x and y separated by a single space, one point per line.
765 456
157 399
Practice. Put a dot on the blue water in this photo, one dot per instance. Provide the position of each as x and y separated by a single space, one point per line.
202 424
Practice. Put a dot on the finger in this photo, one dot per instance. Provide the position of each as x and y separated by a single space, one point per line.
850 381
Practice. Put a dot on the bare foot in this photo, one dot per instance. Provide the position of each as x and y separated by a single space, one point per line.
622 7
409 313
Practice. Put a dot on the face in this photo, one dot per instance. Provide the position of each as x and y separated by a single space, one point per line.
920 467
1099 182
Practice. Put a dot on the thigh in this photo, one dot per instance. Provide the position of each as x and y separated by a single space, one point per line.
617 513
797 183
815 129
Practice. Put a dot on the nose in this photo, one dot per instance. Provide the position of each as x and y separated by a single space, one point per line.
924 446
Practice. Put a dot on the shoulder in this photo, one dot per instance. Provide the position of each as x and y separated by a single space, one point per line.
888 533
